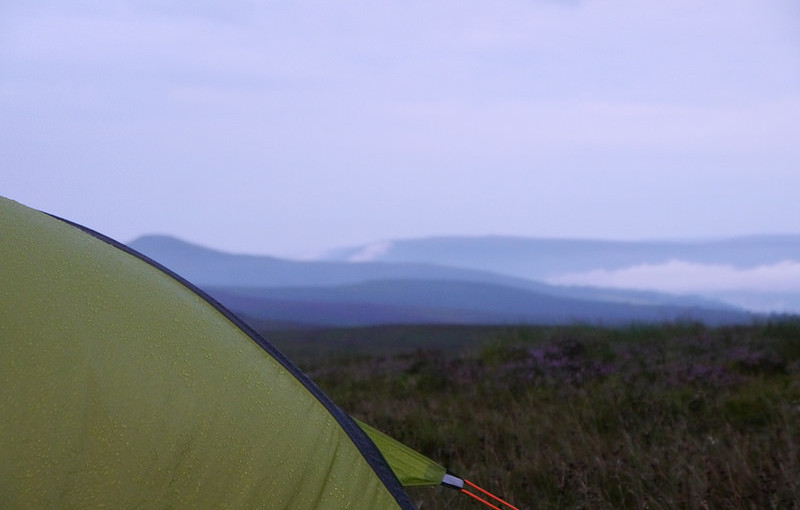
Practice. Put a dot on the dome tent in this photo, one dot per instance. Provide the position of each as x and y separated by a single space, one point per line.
126 386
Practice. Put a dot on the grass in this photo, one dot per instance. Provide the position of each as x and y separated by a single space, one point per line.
656 417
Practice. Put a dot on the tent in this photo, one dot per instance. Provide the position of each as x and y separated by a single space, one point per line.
123 385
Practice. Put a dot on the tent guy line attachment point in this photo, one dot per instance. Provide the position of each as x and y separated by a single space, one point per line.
487 493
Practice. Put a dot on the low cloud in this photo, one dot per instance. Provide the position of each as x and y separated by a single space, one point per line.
679 276
370 252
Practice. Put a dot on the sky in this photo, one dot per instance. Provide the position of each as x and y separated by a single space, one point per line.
287 128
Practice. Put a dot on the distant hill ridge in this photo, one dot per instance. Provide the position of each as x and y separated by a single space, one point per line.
342 293
207 267
452 302
758 272
540 258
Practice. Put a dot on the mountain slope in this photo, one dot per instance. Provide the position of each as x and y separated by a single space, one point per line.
211 268
206 267
540 259
367 293
447 302
760 273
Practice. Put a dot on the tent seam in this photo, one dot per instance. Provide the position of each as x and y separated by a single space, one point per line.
362 442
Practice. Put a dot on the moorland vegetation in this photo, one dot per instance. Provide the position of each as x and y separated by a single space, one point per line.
651 416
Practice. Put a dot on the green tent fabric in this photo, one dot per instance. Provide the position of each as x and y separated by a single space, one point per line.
124 386
411 467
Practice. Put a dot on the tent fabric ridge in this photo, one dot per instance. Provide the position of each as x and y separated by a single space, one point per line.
360 439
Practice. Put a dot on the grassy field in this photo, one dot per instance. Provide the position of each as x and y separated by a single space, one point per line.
677 416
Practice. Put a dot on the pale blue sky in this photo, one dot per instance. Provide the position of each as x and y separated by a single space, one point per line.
289 127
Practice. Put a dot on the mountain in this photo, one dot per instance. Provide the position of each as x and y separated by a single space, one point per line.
760 273
450 302
341 293
205 267
540 259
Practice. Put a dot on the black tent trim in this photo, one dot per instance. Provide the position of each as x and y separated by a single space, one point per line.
364 444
